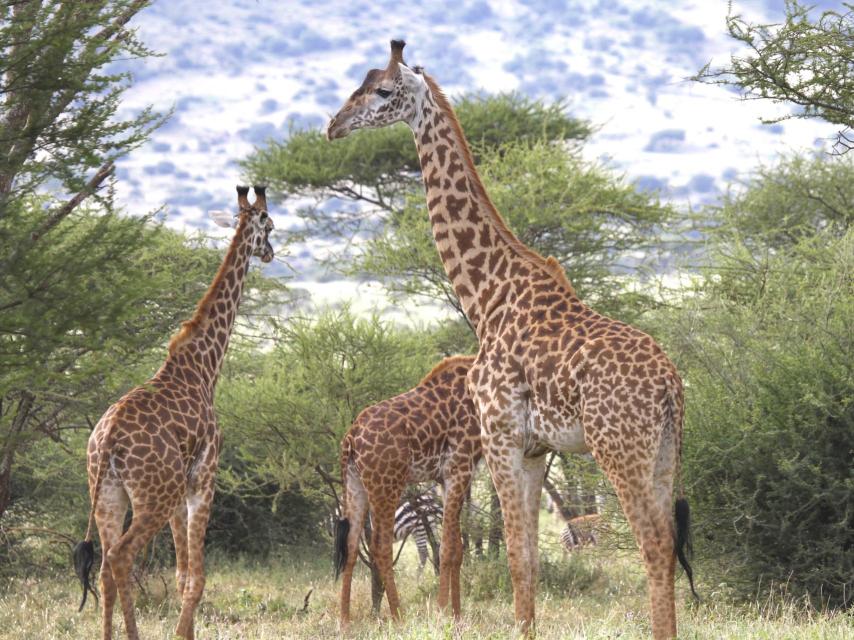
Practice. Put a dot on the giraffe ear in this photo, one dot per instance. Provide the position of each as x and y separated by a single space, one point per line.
222 218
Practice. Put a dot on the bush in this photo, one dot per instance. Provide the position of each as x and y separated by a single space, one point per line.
770 422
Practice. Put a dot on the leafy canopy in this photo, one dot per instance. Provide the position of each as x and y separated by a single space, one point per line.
803 61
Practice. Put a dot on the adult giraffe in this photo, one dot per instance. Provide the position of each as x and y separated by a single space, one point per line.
430 432
157 447
551 373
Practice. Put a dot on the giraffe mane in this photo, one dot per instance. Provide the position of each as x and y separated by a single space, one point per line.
550 265
198 322
445 364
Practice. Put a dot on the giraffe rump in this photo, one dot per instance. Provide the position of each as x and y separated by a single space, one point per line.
84 558
342 531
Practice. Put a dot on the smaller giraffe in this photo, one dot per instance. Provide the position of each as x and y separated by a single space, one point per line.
428 433
157 448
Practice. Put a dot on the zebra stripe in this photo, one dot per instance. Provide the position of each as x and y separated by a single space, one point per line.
579 532
409 521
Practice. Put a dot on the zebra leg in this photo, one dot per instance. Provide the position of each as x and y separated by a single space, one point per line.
452 541
421 543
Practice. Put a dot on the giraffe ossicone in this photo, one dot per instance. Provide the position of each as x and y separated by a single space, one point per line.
157 448
551 374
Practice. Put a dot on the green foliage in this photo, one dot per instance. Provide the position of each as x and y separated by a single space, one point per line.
285 413
72 282
490 121
372 171
378 166
59 104
766 351
582 214
801 61
794 198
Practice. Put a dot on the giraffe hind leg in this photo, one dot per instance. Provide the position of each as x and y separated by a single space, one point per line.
148 519
178 524
645 492
356 509
109 517
451 551
382 539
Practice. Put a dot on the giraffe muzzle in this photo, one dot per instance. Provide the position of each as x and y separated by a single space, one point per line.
336 129
268 254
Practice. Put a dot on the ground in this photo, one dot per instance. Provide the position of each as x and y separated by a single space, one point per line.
592 595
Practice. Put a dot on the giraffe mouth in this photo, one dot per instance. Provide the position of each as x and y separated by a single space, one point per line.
336 130
268 254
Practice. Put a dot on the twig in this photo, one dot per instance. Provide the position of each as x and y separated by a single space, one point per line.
305 602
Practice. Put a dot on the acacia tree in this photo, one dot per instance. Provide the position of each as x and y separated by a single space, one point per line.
802 61
57 262
87 296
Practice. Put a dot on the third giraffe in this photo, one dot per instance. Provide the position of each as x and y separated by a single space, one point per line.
430 432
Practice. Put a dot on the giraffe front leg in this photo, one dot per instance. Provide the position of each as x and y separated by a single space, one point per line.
507 466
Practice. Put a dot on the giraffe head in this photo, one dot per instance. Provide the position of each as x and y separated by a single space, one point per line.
386 96
257 219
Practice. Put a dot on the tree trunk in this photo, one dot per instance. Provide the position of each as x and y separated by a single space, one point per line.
495 525
565 510
10 443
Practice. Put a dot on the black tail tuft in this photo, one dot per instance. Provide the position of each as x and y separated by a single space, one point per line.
84 558
342 532
684 547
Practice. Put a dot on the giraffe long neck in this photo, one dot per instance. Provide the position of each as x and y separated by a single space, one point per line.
477 249
199 348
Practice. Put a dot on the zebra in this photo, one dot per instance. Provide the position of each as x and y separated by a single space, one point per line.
579 532
419 517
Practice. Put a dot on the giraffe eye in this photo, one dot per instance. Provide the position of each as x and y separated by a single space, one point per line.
383 93
263 216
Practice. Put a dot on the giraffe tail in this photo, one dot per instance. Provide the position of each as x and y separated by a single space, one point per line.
83 555
683 545
342 527
342 532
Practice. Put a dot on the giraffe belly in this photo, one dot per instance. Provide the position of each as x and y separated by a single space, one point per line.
425 469
560 433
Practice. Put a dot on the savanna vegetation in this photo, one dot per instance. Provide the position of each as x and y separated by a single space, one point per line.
753 297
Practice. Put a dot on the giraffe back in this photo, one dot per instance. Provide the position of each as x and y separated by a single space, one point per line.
422 430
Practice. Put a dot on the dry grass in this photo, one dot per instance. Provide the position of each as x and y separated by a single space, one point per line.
588 596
